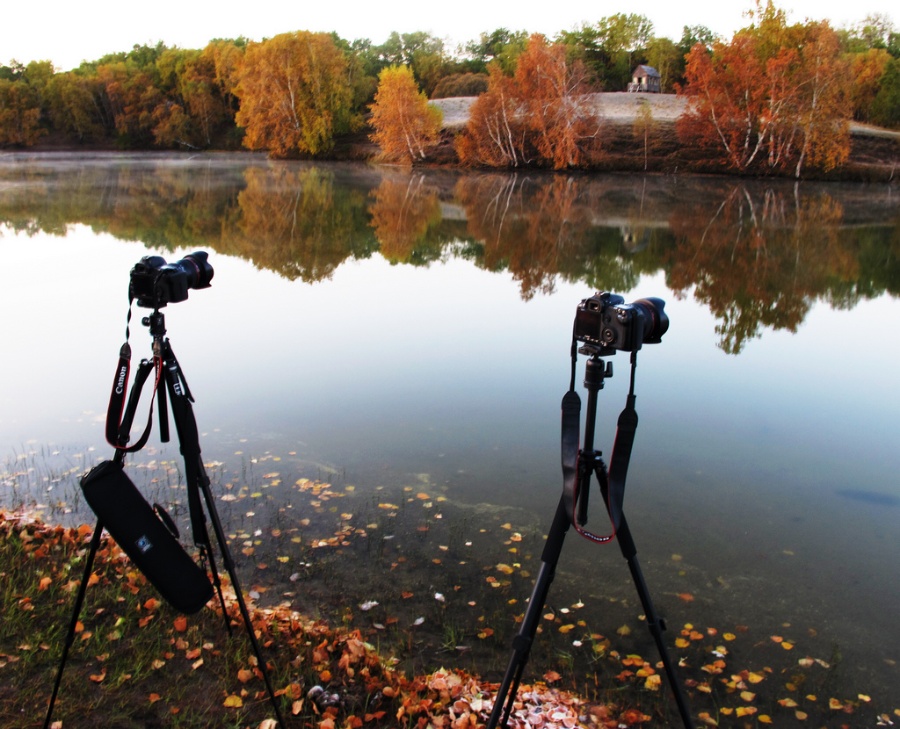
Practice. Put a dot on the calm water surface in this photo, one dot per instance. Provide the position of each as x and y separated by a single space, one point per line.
404 338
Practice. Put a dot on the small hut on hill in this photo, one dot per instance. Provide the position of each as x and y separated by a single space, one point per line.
646 79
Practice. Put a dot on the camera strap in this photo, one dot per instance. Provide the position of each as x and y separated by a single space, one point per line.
119 416
612 483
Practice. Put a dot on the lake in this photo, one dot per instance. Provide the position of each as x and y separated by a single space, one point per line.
378 368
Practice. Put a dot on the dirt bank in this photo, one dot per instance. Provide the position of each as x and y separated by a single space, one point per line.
874 155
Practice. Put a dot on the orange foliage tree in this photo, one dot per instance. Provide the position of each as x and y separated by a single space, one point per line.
495 133
774 97
554 99
543 112
294 95
404 123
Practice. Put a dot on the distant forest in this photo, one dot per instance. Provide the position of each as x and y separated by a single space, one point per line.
295 94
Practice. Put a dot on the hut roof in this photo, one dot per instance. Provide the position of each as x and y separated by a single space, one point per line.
648 71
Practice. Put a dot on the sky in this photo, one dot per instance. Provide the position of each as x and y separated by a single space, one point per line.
66 32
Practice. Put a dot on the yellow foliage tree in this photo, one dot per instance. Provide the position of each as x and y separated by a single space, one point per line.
294 94
404 123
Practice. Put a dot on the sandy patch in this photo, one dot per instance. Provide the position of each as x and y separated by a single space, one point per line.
620 107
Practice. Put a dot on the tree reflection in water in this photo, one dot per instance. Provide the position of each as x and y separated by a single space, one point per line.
757 253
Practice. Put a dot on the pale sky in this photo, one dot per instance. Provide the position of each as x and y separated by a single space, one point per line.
67 32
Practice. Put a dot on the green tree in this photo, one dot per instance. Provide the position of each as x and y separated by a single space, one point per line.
665 57
502 46
294 94
422 52
886 104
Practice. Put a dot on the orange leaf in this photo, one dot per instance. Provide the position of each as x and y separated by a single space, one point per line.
154 698
686 596
180 623
552 677
44 583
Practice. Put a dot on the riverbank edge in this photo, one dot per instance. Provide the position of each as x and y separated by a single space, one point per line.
874 154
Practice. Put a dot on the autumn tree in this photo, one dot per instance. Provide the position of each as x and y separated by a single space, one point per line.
554 99
495 135
20 114
773 98
867 69
404 123
294 94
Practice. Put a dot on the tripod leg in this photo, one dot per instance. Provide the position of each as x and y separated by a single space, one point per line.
228 563
506 695
73 623
654 622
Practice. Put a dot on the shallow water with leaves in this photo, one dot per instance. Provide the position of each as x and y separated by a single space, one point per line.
378 367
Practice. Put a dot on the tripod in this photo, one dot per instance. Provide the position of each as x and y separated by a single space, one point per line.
578 465
197 481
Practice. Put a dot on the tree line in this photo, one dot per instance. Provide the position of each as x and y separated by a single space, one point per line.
297 93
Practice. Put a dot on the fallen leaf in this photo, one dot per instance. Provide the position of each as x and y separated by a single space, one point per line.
233 702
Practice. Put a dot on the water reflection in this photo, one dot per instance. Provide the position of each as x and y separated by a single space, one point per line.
757 253
410 368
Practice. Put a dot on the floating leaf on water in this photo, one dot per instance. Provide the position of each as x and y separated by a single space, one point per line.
686 596
566 628
505 568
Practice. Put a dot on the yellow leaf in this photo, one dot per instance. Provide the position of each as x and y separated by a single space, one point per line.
233 702
624 630
764 719
745 711
565 628
748 696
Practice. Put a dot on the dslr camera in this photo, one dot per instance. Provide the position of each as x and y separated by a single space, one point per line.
155 283
606 323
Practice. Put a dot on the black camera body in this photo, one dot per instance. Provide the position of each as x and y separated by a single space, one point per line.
607 323
155 283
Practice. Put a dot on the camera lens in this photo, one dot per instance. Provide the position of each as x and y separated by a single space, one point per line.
197 269
656 323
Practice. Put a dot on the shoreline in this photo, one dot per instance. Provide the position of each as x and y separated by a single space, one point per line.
874 154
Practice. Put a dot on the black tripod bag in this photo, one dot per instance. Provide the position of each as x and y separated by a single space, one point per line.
143 536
